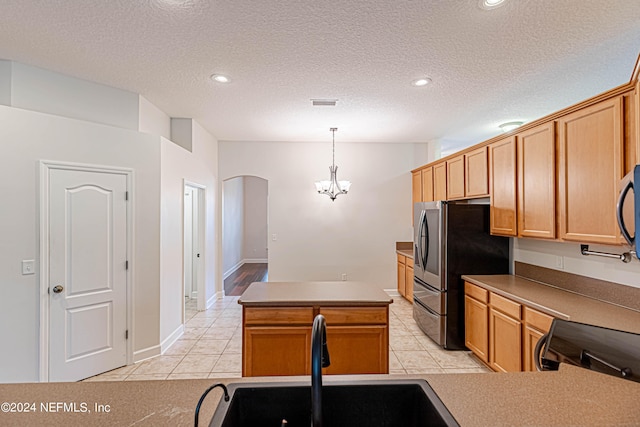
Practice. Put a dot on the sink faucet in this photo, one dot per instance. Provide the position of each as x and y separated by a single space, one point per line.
319 360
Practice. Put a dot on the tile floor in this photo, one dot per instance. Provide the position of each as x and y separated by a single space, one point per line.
211 347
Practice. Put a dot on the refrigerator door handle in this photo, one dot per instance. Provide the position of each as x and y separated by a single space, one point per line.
418 243
425 255
620 206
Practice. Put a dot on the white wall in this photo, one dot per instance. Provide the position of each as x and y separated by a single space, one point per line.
199 167
255 219
42 90
233 224
318 239
28 137
567 257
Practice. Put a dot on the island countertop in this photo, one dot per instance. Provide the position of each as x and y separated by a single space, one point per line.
569 397
278 294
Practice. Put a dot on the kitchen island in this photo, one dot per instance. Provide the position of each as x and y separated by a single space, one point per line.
569 397
276 327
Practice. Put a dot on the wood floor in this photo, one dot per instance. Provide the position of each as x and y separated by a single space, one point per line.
240 279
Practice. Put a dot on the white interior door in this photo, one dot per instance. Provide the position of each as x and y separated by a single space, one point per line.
87 273
188 242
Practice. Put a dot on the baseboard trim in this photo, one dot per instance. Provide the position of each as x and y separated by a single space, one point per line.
255 261
171 339
218 295
146 353
243 262
232 270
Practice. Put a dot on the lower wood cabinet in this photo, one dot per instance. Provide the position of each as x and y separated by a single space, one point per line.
277 340
536 324
405 276
501 332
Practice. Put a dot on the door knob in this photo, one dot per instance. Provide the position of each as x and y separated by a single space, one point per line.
58 288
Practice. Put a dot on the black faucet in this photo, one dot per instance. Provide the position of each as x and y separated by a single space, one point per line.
319 360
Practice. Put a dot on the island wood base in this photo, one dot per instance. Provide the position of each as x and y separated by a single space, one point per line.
277 340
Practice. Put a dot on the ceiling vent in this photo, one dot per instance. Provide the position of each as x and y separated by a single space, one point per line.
324 102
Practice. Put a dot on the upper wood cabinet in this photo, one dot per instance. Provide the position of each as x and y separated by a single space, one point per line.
427 184
455 178
502 186
537 182
440 181
476 176
416 187
590 165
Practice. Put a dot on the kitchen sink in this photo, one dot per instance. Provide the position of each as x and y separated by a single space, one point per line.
360 403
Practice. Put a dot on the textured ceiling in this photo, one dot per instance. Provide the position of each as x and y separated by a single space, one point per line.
520 61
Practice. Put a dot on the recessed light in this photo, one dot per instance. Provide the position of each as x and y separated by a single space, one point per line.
490 4
423 81
509 126
220 78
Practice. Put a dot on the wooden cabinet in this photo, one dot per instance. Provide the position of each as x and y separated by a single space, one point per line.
502 186
467 175
402 275
427 184
501 332
476 314
476 176
536 324
455 178
590 165
416 186
505 334
277 340
405 276
408 281
440 181
537 182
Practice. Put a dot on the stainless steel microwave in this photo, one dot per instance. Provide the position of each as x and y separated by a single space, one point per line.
628 184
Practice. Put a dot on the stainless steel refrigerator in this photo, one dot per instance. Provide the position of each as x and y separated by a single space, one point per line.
451 239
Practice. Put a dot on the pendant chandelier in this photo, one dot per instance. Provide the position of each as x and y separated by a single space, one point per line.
333 187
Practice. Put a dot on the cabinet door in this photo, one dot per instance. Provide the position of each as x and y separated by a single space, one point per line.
408 282
455 178
476 174
476 327
440 181
358 349
416 186
589 170
427 184
537 182
536 324
530 338
271 350
502 185
401 276
505 342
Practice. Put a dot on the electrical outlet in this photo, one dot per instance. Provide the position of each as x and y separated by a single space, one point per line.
344 277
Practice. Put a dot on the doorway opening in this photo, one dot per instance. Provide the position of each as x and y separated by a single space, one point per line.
245 228
193 252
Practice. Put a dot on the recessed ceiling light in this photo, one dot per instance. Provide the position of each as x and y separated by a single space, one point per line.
423 81
490 4
506 127
220 78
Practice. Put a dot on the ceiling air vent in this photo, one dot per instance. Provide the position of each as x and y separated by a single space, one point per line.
324 102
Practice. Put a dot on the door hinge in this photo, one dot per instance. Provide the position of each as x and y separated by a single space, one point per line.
126 265
126 195
126 334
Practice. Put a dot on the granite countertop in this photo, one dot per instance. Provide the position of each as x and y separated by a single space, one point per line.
560 303
406 252
570 396
272 294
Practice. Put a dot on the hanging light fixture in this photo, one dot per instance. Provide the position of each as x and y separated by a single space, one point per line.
333 187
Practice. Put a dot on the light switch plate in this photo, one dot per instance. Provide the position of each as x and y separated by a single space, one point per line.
28 267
